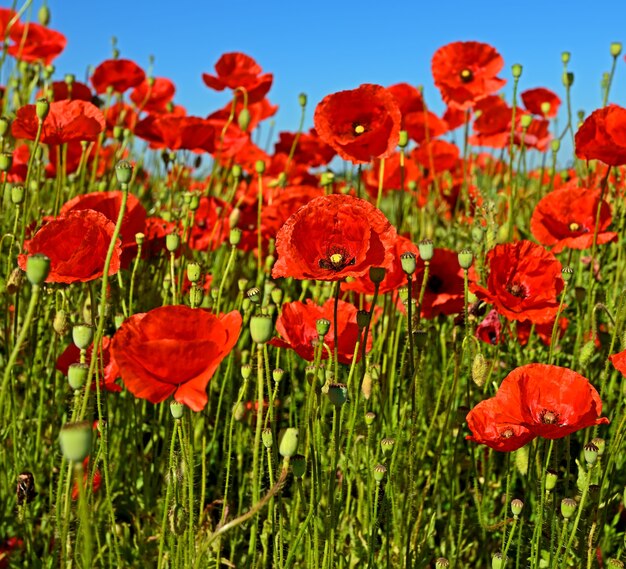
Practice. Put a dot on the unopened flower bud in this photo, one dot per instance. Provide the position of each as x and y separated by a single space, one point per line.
525 121
288 443
6 161
17 195
243 120
480 370
172 241
302 99
551 479
516 70
616 48
259 166
568 78
61 324
586 353
565 57
403 139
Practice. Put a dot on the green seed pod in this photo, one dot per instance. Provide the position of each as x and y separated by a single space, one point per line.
118 320
516 507
366 385
177 409
17 195
243 120
516 70
193 272
326 179
377 274
568 507
75 439
302 99
565 57
254 294
568 79
239 411
591 453
298 465
43 15
288 443
259 166
370 417
545 108
616 48
322 325
600 445
261 328
525 121
442 563
196 295
551 480
82 335
403 139
42 108
278 374
123 171
409 262
615 564
6 161
37 268
267 437
277 296
466 258
77 375
386 445
337 394
498 560
172 241
555 145
426 249
234 237
362 318
567 273
379 473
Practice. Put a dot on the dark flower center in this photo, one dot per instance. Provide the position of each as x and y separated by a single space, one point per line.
466 75
549 417
517 289
358 129
435 284
507 433
337 258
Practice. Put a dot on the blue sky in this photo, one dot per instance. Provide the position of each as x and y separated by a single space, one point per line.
322 47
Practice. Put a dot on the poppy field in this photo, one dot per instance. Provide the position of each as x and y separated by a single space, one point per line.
393 340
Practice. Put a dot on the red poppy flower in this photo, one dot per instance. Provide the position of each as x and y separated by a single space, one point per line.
67 121
360 124
310 149
122 115
6 15
238 70
395 277
173 350
333 237
439 155
492 126
284 205
489 329
71 355
497 426
108 204
61 90
444 292
603 136
118 74
77 245
553 401
465 72
567 218
524 282
619 362
34 42
536 135
297 328
533 100
156 232
153 94
211 225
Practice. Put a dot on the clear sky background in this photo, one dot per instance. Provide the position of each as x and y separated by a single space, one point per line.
326 46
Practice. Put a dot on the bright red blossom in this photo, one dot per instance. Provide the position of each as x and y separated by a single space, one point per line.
297 328
333 237
465 72
173 350
117 74
34 42
567 217
533 100
360 124
524 282
603 136
77 245
67 121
